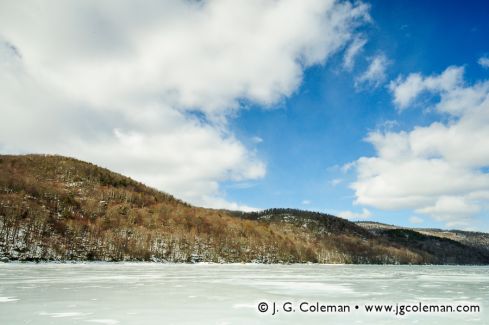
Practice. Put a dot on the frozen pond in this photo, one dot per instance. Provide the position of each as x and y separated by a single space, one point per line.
144 293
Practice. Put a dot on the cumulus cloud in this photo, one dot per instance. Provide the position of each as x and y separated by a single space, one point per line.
441 169
374 76
352 52
221 203
484 61
453 210
364 214
147 88
405 90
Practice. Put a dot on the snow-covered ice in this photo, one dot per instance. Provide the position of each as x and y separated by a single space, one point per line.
147 293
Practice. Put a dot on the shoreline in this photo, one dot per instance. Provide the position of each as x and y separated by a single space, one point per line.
17 262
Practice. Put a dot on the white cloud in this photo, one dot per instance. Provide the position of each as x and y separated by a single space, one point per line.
416 220
484 61
198 155
352 51
364 214
375 73
348 167
388 125
454 210
147 88
306 202
220 203
204 55
440 169
405 90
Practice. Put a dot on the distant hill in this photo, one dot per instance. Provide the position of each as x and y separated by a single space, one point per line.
477 240
54 208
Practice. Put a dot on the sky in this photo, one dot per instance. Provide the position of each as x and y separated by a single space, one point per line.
373 110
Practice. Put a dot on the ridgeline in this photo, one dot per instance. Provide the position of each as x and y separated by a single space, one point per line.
54 208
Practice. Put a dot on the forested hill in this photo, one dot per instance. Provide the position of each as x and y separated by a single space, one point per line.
58 208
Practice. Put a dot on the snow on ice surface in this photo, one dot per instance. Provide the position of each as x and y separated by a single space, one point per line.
58 315
146 293
104 321
7 299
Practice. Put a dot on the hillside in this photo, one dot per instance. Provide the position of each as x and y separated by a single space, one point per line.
58 208
474 239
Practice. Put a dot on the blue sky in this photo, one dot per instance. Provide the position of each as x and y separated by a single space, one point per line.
309 136
374 110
